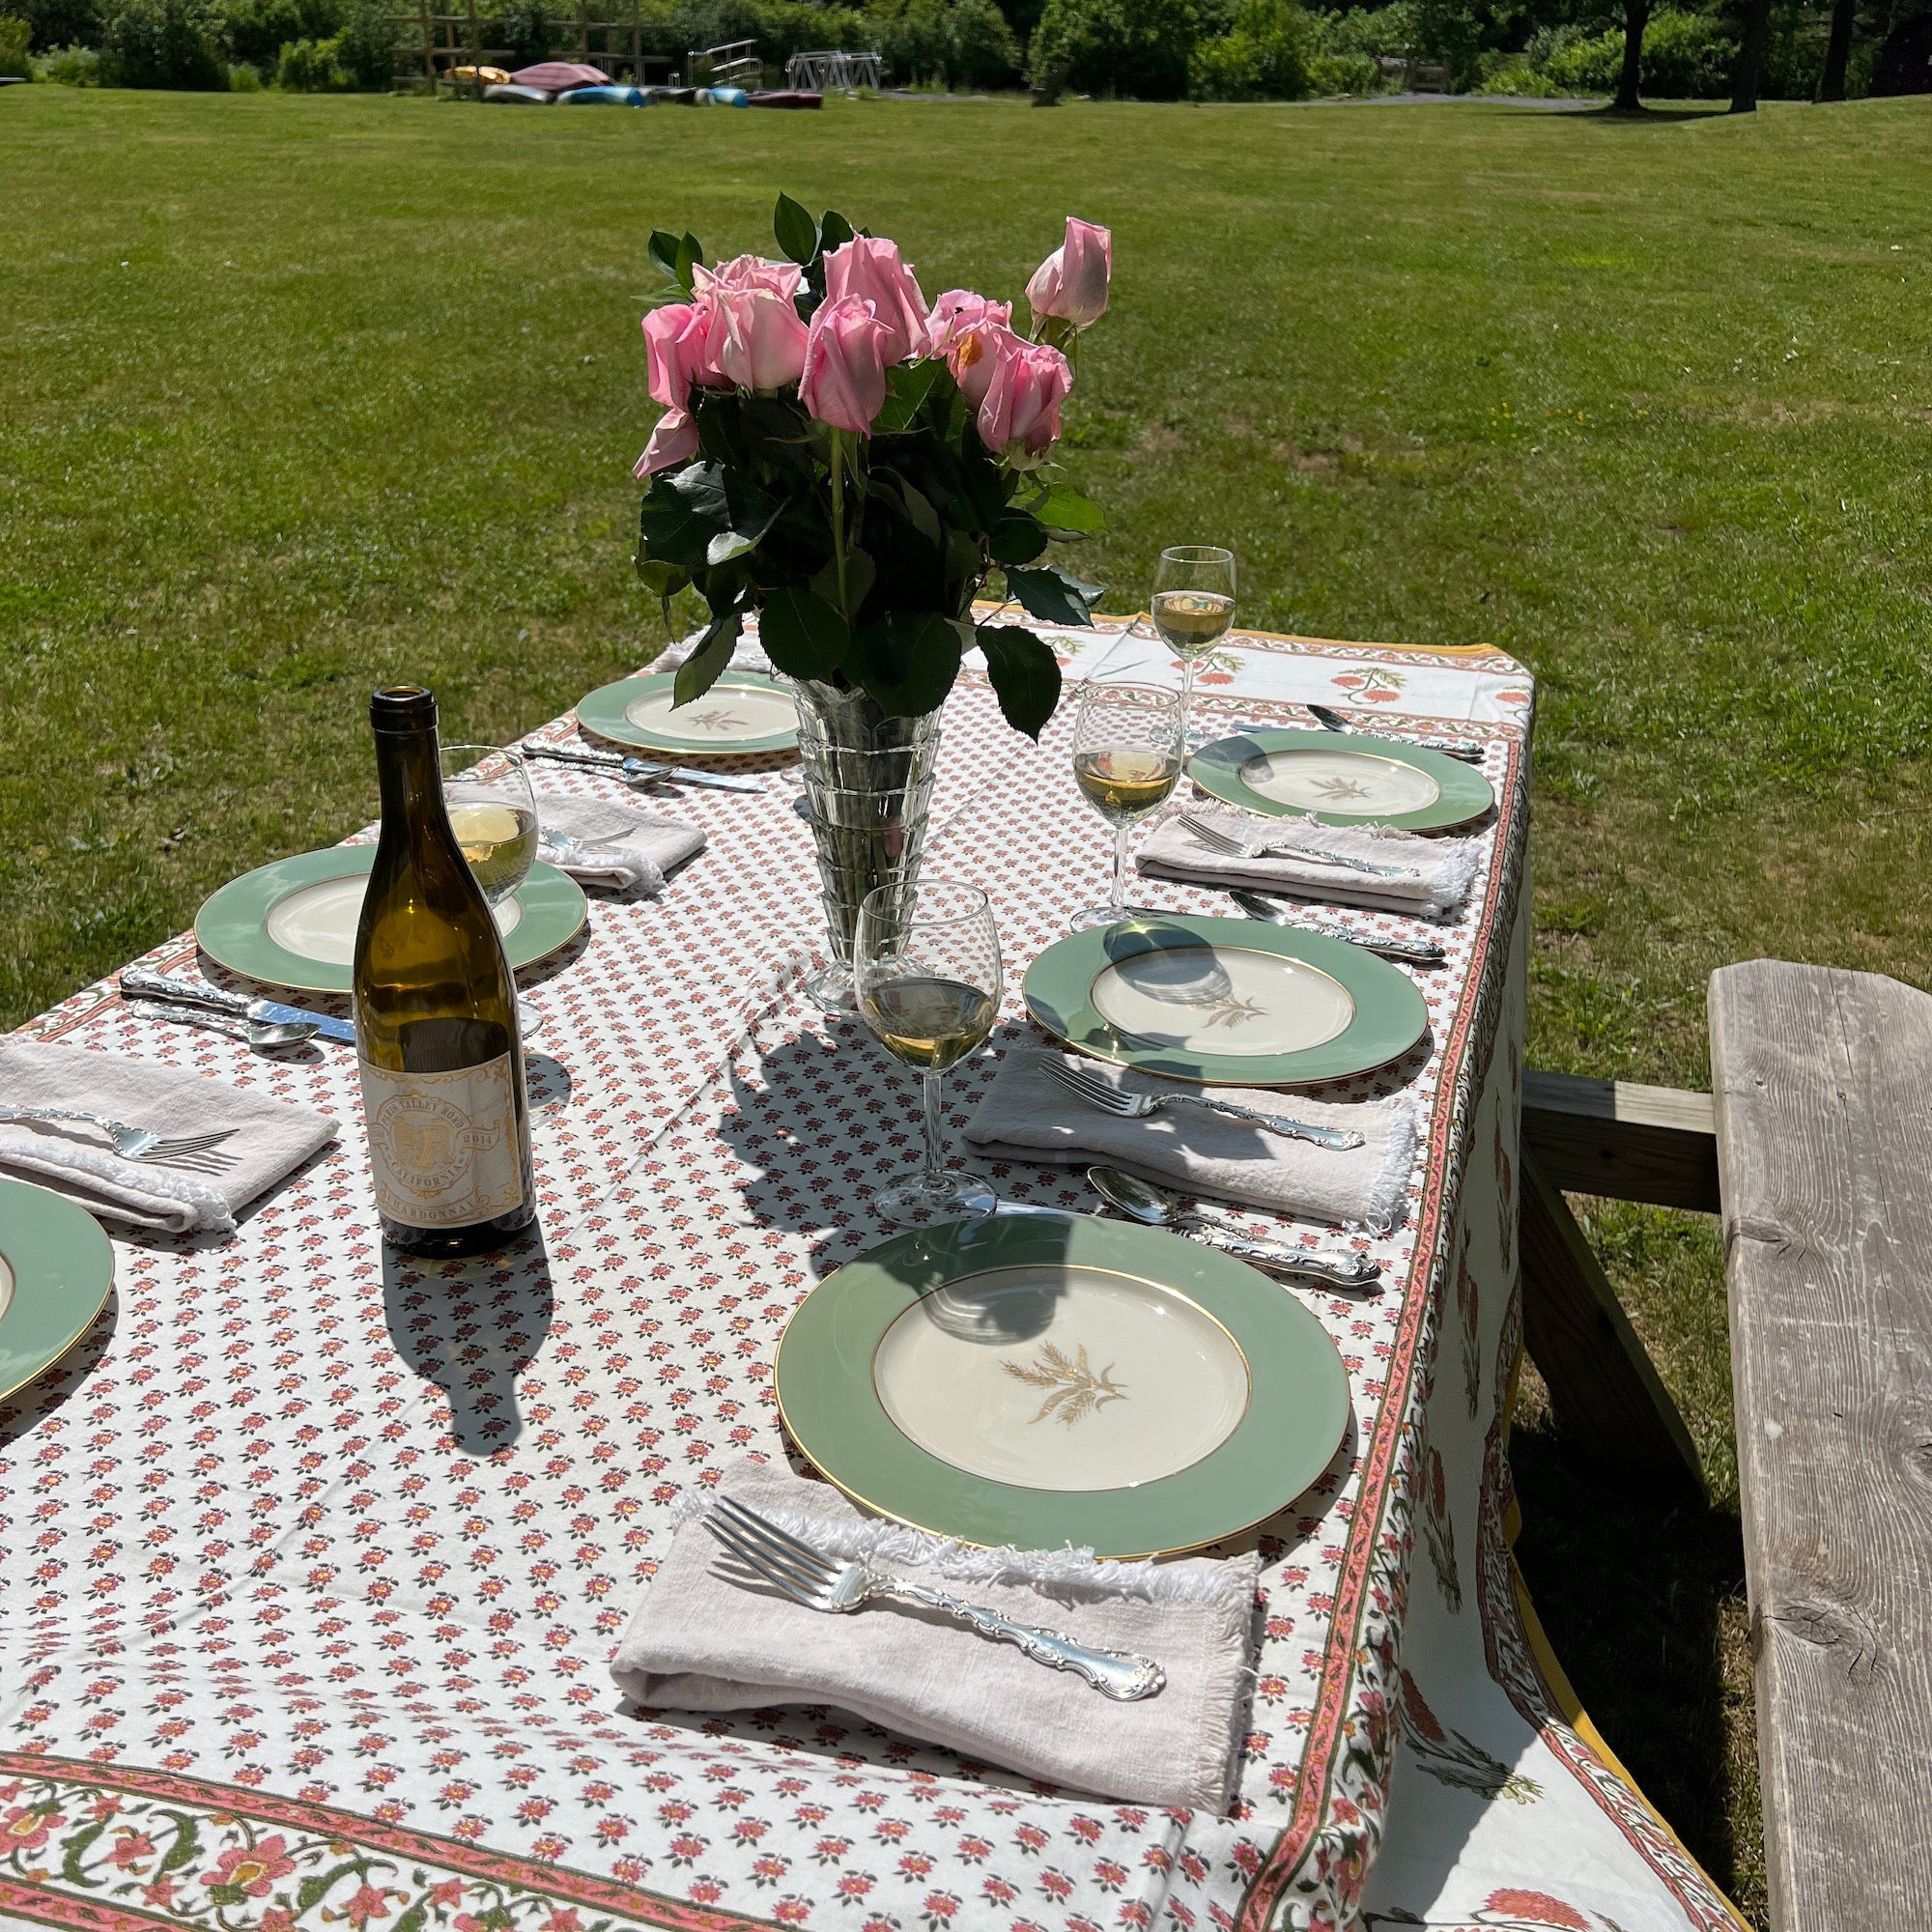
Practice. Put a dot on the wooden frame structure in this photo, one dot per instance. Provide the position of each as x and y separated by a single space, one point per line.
450 41
1812 1150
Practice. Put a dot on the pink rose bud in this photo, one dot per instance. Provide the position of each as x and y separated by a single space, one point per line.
677 338
1071 283
871 269
749 271
1020 416
844 382
673 440
757 340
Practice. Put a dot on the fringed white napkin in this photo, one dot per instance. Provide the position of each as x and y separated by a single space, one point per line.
1435 878
1025 1114
702 1641
270 1139
599 844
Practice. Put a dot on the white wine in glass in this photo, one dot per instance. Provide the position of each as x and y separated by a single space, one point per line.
493 810
1126 762
925 964
1193 609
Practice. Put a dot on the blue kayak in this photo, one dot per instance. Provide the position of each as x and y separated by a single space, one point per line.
605 97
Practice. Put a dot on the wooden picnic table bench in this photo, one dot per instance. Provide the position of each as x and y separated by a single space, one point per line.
1814 1145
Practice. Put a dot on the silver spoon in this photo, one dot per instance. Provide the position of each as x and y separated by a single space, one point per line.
263 1036
1470 753
1416 951
1351 1275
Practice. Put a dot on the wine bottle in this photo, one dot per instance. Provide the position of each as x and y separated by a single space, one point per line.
436 1016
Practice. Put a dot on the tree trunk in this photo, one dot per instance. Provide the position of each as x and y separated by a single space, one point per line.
1637 17
1750 57
1838 50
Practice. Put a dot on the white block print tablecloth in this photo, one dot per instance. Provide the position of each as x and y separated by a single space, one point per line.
312 1559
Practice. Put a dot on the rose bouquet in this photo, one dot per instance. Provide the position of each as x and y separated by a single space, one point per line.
853 463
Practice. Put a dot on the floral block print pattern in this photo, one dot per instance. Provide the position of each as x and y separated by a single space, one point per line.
312 1558
1501 1814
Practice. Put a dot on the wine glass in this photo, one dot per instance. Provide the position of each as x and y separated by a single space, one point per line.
493 810
486 790
1193 607
1126 759
925 964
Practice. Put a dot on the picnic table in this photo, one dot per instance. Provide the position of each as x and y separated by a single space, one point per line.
312 1557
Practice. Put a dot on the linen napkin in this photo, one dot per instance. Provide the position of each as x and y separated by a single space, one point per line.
605 844
1439 875
271 1138
702 1641
1025 1114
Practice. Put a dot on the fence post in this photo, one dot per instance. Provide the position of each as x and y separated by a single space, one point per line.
475 53
429 43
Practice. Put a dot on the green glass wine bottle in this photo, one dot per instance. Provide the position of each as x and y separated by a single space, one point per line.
436 1016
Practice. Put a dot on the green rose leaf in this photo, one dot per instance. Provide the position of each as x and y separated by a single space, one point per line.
834 230
1017 538
680 514
677 255
907 386
705 666
907 661
1053 596
660 578
1069 513
727 544
802 634
860 574
1025 674
796 231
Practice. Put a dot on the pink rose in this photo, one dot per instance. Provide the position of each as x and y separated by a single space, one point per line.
749 271
673 440
956 313
845 383
1071 283
1020 415
678 339
871 269
757 339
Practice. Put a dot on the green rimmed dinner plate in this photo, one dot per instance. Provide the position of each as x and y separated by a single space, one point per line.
1353 779
1226 1002
1054 1379
293 923
56 1268
743 711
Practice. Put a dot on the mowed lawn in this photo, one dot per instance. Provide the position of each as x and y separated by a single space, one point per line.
298 396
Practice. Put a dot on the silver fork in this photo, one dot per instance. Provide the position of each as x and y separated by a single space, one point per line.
1464 749
821 1583
134 1143
1217 840
1107 1100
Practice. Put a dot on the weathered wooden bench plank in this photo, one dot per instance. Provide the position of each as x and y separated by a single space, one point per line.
1823 1085
1614 1137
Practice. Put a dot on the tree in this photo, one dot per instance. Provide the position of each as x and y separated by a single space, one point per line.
1838 50
1750 58
1637 17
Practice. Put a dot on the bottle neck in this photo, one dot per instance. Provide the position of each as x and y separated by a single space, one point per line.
410 778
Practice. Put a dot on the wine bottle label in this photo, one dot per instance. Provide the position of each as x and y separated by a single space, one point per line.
444 1145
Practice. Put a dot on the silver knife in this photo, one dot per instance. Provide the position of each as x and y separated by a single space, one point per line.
638 771
139 984
1415 952
1470 753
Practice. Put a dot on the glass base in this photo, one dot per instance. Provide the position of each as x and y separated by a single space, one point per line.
529 1019
1089 916
919 1200
831 989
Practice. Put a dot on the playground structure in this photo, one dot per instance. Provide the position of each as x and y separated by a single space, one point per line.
832 70
451 41
736 64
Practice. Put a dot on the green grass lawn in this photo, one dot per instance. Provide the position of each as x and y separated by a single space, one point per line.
296 395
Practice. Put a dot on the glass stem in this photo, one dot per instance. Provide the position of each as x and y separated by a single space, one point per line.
935 1133
1186 708
1119 905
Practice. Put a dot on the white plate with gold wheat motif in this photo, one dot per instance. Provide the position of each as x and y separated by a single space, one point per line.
743 711
1049 1380
1357 779
1230 1002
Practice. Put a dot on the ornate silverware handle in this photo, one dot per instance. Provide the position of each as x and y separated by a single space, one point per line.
142 984
1335 1140
1348 1276
1295 848
1119 1674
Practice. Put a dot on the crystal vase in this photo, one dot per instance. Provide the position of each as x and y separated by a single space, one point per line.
869 781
